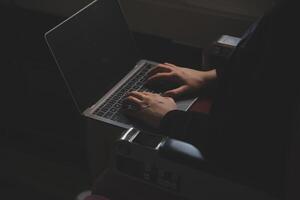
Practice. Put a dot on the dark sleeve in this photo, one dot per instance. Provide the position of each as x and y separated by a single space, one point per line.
192 127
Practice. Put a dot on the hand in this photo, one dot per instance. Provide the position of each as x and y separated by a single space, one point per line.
189 81
150 108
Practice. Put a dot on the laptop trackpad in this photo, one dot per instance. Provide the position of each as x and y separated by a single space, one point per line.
184 104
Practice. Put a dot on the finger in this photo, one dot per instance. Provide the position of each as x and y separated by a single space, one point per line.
147 93
135 110
176 92
160 76
138 95
132 99
158 69
149 96
131 105
170 64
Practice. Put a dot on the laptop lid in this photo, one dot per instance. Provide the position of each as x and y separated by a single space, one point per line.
93 49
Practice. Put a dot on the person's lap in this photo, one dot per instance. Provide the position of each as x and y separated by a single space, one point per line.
116 186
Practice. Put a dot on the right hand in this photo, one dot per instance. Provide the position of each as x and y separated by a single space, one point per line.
150 108
189 81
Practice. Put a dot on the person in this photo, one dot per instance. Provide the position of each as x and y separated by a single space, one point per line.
247 131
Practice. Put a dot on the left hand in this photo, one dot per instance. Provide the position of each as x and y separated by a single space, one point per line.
151 108
187 81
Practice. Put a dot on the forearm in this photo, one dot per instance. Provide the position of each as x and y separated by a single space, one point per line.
210 75
192 127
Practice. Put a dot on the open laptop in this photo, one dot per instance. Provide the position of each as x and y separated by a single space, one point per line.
99 61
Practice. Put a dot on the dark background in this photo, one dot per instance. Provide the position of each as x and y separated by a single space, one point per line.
43 149
42 138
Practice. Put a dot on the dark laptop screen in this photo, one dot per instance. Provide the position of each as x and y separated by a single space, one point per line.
94 50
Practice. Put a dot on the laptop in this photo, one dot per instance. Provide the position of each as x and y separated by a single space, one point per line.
100 63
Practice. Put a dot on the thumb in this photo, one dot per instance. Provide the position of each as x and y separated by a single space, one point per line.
176 92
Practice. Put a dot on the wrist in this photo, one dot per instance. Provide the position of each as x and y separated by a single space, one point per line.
209 76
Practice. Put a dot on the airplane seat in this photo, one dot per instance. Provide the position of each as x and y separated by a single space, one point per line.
148 166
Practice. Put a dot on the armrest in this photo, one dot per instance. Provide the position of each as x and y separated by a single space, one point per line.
220 50
181 152
164 168
96 197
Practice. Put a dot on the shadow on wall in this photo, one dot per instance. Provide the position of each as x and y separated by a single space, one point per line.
207 19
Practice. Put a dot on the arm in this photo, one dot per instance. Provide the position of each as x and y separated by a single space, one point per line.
151 108
188 126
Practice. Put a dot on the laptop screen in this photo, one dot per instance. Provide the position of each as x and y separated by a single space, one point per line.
94 50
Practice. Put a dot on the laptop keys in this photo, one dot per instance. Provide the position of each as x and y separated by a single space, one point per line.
111 109
109 115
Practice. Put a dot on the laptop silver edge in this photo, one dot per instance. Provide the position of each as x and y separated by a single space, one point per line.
89 112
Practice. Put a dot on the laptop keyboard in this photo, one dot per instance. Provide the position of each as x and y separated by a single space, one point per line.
112 106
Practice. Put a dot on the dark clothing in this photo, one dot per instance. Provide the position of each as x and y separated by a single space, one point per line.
247 131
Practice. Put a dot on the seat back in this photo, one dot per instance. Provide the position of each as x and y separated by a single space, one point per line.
293 163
